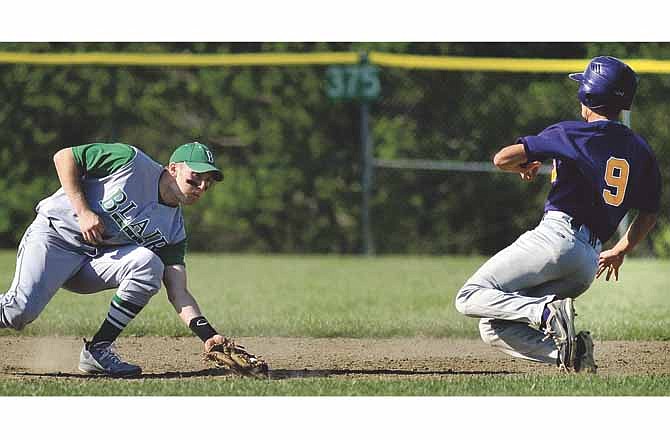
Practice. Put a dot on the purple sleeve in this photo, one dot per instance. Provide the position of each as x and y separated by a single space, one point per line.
551 143
650 196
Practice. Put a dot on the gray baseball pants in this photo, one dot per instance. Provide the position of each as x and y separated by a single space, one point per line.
45 263
509 292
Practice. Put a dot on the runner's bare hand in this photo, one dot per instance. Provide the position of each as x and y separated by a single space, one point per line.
610 261
530 171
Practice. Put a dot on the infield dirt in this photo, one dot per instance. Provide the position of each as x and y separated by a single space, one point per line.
397 358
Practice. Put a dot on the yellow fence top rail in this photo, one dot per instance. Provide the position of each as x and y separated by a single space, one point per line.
504 64
179 60
403 61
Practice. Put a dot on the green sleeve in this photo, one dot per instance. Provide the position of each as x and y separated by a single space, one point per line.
100 160
173 253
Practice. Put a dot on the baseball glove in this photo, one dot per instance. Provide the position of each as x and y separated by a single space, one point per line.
233 357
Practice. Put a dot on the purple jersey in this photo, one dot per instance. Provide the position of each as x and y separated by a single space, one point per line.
601 170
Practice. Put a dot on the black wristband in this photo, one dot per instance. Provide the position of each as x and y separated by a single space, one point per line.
202 328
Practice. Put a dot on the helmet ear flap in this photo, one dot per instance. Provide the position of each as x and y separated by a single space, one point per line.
590 101
587 98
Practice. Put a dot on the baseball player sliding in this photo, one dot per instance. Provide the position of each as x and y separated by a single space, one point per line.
523 295
116 222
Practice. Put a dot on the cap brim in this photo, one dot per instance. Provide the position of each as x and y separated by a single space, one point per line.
579 77
201 167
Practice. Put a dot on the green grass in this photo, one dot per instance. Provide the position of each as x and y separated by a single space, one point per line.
328 296
324 296
525 385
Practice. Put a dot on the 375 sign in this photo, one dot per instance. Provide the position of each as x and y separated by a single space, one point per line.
357 81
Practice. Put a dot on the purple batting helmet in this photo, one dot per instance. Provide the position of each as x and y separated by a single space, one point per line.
607 83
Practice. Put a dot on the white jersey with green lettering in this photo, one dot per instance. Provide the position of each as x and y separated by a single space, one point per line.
120 183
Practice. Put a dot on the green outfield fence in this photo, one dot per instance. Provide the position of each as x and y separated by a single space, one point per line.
432 129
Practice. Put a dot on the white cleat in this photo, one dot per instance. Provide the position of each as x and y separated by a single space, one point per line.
100 358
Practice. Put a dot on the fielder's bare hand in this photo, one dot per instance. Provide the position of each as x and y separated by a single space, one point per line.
91 227
610 261
214 340
530 171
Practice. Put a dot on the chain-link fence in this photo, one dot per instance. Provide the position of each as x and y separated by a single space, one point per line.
435 132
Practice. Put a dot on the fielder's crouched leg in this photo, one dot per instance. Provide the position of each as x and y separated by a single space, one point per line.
135 271
43 263
138 273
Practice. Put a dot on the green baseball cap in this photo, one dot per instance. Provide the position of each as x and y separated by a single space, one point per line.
197 157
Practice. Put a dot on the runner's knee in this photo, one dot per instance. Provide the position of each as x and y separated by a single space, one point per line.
463 297
487 332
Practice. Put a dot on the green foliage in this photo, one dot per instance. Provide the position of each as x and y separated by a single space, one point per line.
292 158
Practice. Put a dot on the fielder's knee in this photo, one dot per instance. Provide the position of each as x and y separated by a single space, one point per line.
16 315
143 277
19 322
